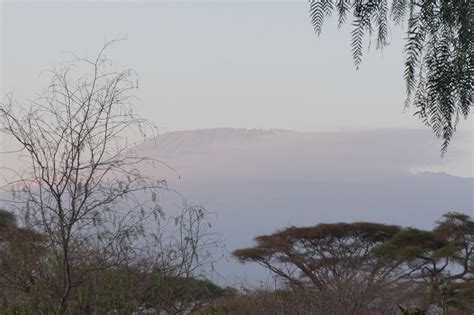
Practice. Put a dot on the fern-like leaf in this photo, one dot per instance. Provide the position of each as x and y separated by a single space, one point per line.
439 56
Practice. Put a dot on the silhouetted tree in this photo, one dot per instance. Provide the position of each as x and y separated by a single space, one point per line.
92 232
334 260
443 257
22 256
368 267
82 188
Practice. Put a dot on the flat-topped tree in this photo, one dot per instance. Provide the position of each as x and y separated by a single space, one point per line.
450 242
443 257
333 259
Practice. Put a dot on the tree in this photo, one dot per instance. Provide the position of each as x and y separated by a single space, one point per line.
22 252
185 248
167 274
439 56
82 188
333 260
373 268
443 257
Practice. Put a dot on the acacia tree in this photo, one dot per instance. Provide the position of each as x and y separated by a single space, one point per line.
439 56
334 260
444 258
82 188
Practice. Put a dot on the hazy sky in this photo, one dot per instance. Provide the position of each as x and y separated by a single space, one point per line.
217 64
248 64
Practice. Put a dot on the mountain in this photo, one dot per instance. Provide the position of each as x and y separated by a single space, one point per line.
256 181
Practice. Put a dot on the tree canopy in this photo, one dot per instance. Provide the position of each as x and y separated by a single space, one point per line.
375 259
450 243
439 63
443 257
317 254
334 263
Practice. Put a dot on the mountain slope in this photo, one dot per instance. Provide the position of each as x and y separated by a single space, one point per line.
259 180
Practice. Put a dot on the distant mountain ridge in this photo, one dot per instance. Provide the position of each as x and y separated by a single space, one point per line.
281 153
177 142
257 181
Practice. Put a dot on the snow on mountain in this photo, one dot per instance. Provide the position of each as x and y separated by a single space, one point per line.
177 143
257 181
274 153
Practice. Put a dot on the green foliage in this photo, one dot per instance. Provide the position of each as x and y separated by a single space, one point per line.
262 302
376 259
181 293
416 311
443 258
408 244
332 260
439 56
30 280
24 274
462 296
339 235
452 239
7 221
6 217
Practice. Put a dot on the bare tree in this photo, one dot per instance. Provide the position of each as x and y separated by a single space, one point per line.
166 270
184 252
82 189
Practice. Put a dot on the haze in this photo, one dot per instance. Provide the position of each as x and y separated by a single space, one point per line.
255 64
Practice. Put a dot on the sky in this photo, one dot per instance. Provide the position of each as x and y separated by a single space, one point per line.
207 64
247 64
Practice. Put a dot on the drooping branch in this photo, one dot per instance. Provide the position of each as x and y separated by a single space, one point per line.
439 56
